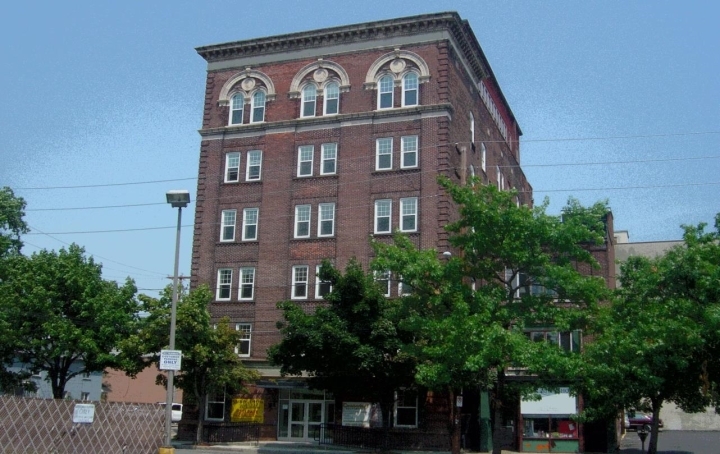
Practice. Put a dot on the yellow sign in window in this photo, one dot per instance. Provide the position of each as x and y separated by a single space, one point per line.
247 410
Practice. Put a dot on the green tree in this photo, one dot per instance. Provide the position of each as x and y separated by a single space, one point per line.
353 340
65 318
12 225
210 364
513 264
658 341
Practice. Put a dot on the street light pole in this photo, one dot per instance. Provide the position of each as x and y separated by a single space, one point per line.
177 199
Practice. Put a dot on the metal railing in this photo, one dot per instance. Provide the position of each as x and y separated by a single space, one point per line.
380 438
226 432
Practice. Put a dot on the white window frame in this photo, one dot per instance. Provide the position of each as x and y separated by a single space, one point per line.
253 160
212 399
224 282
472 129
249 222
381 204
406 89
228 219
382 89
245 330
398 406
409 208
381 149
303 157
483 157
326 216
498 175
232 164
331 92
247 278
409 147
328 153
297 281
307 99
300 218
255 106
402 291
318 283
237 98
386 277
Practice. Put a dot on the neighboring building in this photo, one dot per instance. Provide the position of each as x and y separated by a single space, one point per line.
673 417
118 387
83 387
314 142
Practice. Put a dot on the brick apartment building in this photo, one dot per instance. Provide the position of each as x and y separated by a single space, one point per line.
313 142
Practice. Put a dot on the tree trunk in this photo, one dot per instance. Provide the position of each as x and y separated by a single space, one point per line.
497 413
656 406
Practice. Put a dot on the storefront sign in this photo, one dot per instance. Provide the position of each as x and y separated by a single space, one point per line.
550 403
356 414
170 359
247 410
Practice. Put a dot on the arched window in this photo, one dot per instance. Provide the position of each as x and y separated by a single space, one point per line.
258 107
410 89
385 92
309 97
332 99
237 104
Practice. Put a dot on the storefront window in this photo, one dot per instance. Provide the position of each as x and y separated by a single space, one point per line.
549 427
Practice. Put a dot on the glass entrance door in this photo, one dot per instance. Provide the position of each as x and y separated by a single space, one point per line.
305 419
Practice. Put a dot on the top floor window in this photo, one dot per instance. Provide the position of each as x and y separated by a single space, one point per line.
258 107
332 99
309 97
410 89
237 105
385 92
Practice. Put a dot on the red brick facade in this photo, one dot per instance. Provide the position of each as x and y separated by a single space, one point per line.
440 49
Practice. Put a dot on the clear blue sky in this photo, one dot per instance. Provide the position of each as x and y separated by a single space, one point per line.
112 92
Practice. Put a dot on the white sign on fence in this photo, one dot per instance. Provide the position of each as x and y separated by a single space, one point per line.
170 359
84 413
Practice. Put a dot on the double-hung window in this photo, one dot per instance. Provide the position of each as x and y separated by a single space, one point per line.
243 347
237 105
483 157
215 406
322 288
382 278
227 225
409 158
224 284
326 222
232 167
408 214
472 131
254 165
258 107
299 282
410 89
332 99
309 97
328 166
250 224
383 213
406 414
385 92
302 221
305 161
383 153
247 284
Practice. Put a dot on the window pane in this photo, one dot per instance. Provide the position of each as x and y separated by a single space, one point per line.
410 89
247 283
384 154
386 92
327 219
236 109
409 151
300 280
258 106
302 221
305 158
224 284
254 161
332 96
329 157
232 167
309 95
408 208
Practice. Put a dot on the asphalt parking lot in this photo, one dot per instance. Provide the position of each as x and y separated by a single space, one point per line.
675 442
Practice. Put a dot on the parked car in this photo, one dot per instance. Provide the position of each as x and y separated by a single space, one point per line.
636 419
176 411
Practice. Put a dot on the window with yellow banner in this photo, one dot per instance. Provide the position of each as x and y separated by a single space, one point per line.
247 410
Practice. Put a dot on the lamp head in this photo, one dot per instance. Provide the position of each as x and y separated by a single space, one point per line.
178 198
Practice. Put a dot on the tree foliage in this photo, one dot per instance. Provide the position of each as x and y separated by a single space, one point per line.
12 225
64 318
510 267
658 341
352 346
210 364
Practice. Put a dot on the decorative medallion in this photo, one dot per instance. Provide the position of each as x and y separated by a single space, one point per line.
397 65
248 84
320 75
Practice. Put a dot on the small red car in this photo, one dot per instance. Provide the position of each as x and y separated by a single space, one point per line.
637 419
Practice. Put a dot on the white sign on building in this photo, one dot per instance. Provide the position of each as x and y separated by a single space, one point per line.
170 359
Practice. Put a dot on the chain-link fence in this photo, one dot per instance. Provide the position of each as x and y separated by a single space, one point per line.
32 426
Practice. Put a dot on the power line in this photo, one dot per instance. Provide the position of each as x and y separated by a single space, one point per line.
107 231
106 184
97 207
